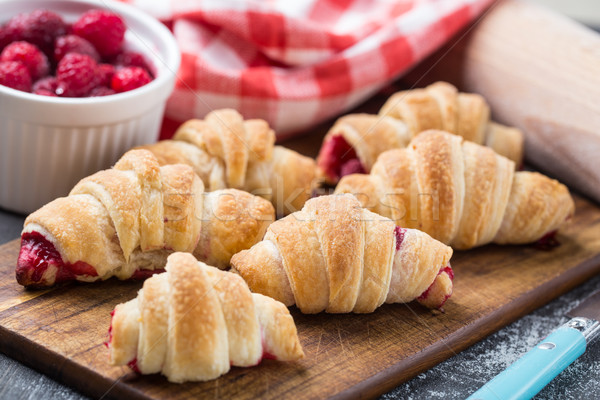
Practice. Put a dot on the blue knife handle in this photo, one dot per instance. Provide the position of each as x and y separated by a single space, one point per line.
530 373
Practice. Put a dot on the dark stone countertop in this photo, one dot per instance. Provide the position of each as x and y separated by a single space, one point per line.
455 378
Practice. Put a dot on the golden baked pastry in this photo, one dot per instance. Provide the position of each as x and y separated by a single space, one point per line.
125 221
337 257
227 151
355 141
192 322
461 193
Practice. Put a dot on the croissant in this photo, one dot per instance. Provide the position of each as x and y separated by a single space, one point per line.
125 221
460 193
228 152
355 141
193 321
337 257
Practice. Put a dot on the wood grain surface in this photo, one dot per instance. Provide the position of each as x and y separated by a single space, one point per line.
61 331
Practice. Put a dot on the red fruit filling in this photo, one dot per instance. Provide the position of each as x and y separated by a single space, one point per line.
110 329
133 365
143 274
399 232
448 270
74 44
547 242
129 78
76 75
37 254
337 158
15 75
29 55
267 356
105 30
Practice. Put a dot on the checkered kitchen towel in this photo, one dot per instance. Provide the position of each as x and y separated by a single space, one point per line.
296 63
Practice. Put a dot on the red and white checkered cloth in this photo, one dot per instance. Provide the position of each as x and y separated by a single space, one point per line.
296 63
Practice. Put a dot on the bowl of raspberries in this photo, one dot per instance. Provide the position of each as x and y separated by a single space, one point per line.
81 82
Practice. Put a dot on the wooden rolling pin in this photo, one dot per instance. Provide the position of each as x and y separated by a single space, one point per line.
540 71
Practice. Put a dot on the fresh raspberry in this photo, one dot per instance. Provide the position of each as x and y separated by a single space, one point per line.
26 53
76 75
104 74
6 37
15 75
39 27
101 91
105 30
131 59
48 84
129 78
44 92
74 44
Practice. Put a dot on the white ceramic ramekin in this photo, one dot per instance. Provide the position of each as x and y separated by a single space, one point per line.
47 144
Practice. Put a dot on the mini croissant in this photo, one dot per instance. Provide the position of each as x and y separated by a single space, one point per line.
355 141
125 221
192 322
461 193
227 151
337 257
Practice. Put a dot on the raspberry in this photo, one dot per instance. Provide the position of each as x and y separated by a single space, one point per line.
44 92
105 30
26 53
15 75
76 74
6 37
131 59
101 91
74 44
129 78
40 27
104 74
48 84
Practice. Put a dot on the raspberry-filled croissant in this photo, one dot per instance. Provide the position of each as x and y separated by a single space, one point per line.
227 151
192 322
337 257
355 141
461 193
125 221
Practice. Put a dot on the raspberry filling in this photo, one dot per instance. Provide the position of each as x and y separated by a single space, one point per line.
37 254
399 232
337 159
133 365
110 329
547 242
448 270
143 274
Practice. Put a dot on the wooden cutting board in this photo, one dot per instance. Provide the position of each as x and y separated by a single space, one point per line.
60 332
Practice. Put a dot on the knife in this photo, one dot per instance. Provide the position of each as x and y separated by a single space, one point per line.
530 373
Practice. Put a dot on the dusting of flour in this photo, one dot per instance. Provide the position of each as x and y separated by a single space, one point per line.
463 374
